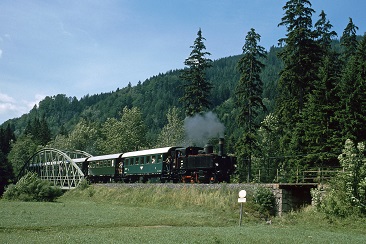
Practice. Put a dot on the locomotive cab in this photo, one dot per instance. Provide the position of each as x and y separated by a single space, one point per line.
201 165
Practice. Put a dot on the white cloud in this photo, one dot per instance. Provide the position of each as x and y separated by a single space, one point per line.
4 98
12 108
1 53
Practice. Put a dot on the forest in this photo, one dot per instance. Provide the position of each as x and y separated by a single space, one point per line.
284 110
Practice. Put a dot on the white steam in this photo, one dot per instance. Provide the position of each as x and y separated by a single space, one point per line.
202 127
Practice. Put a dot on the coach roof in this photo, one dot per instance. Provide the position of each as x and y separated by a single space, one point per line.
148 152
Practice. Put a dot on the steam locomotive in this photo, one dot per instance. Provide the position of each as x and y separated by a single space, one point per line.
168 164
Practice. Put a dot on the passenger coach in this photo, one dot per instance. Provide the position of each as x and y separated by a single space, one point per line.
153 165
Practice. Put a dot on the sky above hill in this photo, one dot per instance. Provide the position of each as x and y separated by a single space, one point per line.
93 46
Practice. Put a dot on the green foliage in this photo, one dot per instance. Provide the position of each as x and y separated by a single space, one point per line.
172 133
39 131
84 184
31 188
269 141
250 86
248 97
349 40
21 151
266 200
351 91
352 160
196 89
6 171
126 134
300 55
346 195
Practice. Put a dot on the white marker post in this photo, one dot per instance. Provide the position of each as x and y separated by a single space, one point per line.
241 199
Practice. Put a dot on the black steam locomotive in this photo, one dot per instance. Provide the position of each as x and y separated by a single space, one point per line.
168 164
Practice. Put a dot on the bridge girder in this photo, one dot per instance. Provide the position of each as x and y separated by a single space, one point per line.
58 167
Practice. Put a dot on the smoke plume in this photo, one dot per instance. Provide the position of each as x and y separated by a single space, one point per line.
201 127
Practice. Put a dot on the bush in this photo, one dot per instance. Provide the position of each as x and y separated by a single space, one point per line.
346 194
31 188
266 201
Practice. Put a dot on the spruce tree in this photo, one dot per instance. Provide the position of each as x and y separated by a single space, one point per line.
301 56
196 89
44 132
249 96
349 40
352 90
317 119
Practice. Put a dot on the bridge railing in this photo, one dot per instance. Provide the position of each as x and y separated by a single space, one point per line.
315 175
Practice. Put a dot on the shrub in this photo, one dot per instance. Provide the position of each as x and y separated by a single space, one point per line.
266 201
346 195
31 188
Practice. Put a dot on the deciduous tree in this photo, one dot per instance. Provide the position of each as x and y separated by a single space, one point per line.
172 133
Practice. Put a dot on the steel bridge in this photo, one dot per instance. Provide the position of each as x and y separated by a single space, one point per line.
62 168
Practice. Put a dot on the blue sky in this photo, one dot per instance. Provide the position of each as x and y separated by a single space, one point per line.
87 47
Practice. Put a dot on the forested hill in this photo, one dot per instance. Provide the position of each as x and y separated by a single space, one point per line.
153 97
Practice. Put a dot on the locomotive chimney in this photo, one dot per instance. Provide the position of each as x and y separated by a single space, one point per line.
221 146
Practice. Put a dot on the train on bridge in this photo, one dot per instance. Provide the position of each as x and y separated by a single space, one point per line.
168 164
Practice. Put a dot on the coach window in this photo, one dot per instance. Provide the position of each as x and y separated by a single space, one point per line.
160 158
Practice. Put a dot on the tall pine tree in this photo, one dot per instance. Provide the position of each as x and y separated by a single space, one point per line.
301 56
196 89
249 98
349 40
352 90
317 118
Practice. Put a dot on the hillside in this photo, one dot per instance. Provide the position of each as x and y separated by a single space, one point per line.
153 97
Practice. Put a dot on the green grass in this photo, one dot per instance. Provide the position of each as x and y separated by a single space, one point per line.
163 215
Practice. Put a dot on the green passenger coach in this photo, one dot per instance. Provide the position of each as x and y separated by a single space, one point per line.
153 165
104 168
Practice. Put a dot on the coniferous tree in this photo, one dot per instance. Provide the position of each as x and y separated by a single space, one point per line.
352 90
6 173
317 118
197 89
349 40
249 96
44 132
6 138
324 33
39 131
301 56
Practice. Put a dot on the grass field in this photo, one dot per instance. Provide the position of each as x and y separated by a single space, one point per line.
161 215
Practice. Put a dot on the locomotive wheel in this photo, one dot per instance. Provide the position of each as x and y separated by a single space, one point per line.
213 179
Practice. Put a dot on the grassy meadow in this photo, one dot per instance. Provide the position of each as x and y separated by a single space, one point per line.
159 214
